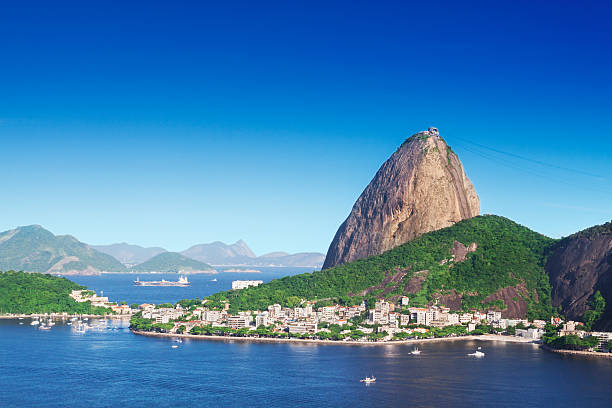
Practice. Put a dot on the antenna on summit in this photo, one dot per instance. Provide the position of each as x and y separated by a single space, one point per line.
433 131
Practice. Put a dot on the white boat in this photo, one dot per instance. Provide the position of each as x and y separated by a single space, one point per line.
415 351
174 346
34 323
368 380
477 353
214 280
20 322
43 327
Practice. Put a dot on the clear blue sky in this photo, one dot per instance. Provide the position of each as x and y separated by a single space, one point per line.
177 123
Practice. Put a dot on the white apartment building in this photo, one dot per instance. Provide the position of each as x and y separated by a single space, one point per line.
238 322
328 313
275 310
303 327
243 284
262 319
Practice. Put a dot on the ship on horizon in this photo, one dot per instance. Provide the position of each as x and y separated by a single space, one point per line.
182 281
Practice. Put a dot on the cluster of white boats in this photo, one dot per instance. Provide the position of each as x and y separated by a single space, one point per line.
78 325
415 351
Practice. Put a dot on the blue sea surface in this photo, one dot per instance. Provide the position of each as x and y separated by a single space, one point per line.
120 287
112 367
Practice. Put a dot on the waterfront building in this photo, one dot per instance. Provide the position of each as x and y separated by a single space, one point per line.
262 319
275 310
243 284
604 338
303 327
327 313
238 322
212 316
465 318
493 316
417 314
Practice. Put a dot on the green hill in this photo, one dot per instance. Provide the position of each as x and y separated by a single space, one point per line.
34 249
483 262
22 292
172 262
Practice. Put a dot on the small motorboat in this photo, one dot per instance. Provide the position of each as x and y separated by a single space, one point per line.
477 353
368 380
415 351
214 280
43 327
174 346
34 323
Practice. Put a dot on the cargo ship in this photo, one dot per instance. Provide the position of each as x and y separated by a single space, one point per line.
181 282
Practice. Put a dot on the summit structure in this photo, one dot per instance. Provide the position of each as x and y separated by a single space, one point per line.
422 187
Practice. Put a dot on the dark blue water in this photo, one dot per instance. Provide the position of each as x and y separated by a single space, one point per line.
113 368
120 287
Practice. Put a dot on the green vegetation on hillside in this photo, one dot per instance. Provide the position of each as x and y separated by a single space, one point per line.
27 293
508 255
34 249
593 232
597 306
171 262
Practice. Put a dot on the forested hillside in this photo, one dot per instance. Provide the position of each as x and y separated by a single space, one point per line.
22 292
483 262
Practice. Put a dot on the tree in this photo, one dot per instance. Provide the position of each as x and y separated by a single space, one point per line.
597 305
590 342
134 306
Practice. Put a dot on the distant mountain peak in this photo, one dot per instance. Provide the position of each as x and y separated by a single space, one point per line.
32 248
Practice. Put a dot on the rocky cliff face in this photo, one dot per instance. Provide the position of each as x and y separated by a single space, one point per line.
579 266
421 188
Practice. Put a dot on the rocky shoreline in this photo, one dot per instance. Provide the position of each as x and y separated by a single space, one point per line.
508 339
579 353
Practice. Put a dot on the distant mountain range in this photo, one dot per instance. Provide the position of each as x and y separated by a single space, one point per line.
172 262
218 253
129 255
35 249
239 254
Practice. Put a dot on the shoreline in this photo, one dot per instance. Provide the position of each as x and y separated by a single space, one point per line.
507 339
62 316
578 352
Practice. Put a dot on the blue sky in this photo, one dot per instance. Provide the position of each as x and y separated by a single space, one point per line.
178 123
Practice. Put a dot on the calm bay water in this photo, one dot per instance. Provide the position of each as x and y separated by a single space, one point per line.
112 367
120 287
